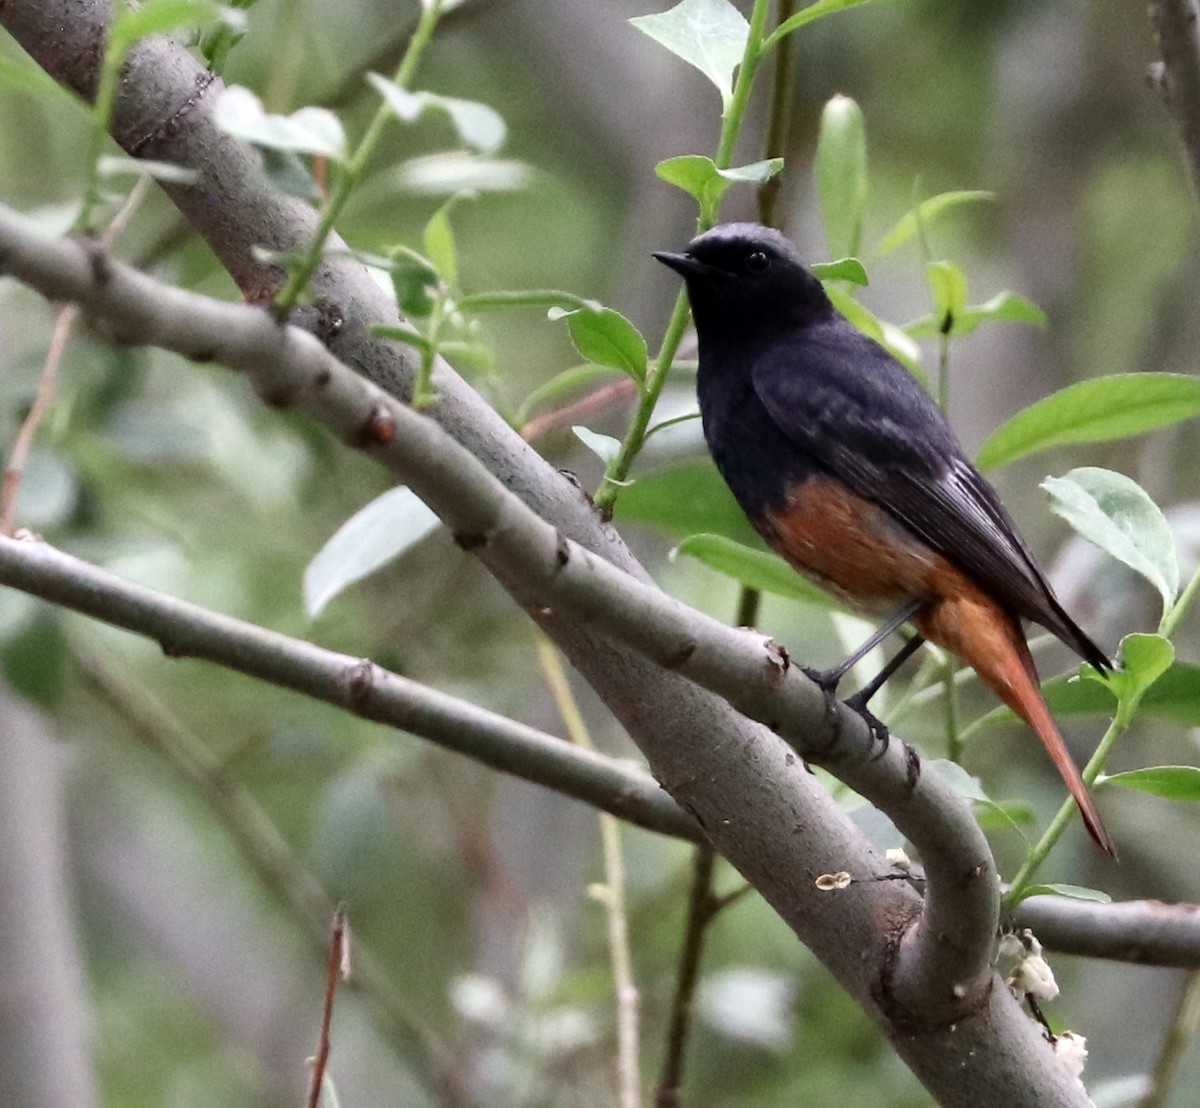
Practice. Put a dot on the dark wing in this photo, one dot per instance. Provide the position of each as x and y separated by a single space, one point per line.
854 409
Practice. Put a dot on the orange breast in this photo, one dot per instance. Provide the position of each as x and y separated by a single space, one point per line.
856 550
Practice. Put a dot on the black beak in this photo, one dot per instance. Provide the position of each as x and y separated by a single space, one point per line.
683 264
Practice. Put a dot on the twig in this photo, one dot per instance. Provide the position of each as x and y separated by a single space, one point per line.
1177 74
611 895
1180 1032
780 117
64 325
702 906
336 967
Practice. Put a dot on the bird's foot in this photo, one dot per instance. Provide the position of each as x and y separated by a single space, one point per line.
878 729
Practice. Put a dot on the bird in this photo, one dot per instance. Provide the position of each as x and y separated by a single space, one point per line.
847 468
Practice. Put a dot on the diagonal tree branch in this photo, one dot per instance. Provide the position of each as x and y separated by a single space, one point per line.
741 782
934 962
939 963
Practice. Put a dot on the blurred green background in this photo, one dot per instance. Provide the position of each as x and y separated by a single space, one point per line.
471 889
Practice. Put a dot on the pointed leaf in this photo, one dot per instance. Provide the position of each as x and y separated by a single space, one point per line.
1111 510
605 447
240 113
438 240
699 177
845 269
808 15
755 172
709 34
1144 659
523 298
1171 782
368 540
948 283
480 126
756 569
907 226
606 337
1095 411
841 172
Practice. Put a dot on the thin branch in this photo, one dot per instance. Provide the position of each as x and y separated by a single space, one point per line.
334 969
702 907
611 895
1142 932
941 963
1177 74
353 684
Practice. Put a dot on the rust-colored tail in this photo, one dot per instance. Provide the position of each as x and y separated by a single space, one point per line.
993 644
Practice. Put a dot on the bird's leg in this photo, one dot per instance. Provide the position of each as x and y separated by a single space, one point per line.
860 699
829 679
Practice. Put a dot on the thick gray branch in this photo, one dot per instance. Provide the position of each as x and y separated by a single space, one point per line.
357 685
1177 74
926 967
742 783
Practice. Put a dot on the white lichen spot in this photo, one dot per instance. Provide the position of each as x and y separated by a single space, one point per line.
1071 1050
898 859
828 882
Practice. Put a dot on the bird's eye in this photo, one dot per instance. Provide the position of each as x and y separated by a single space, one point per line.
758 261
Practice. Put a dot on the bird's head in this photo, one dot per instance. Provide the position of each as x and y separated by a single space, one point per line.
746 279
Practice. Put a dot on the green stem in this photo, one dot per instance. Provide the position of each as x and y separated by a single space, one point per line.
617 473
780 117
954 736
102 109
348 178
1171 620
422 388
1050 837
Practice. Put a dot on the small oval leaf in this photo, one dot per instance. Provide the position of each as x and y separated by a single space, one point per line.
605 447
1112 511
1074 892
368 540
240 113
907 226
844 269
606 337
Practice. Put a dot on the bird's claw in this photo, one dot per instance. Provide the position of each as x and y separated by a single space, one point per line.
876 726
827 682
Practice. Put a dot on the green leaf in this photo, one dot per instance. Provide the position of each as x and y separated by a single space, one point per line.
1095 411
1111 510
699 177
1171 782
438 240
158 17
523 298
841 173
568 381
450 171
1074 892
606 337
899 344
756 569
480 126
907 226
845 269
1144 659
709 34
34 661
240 113
605 447
1003 307
375 535
948 284
813 12
683 499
